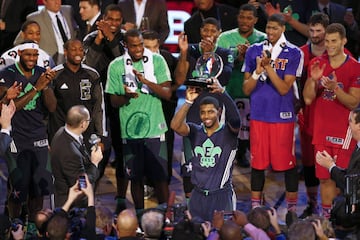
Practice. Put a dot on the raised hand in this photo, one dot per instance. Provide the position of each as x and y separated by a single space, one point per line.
316 71
14 91
183 42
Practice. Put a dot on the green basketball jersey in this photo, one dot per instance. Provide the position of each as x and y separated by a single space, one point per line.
143 116
230 39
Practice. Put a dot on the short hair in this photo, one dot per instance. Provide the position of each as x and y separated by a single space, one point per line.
248 7
186 230
325 223
319 18
104 216
150 35
152 222
230 230
277 17
112 7
92 2
210 100
58 226
131 33
25 25
76 115
68 42
212 21
259 217
336 28
301 230
357 115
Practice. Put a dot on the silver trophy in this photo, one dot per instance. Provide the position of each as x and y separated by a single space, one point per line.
208 66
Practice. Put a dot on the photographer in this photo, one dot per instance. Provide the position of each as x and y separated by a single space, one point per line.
338 174
58 224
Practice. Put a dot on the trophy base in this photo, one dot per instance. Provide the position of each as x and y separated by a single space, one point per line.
201 82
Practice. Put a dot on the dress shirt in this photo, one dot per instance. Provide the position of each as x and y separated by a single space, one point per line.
78 138
139 11
59 40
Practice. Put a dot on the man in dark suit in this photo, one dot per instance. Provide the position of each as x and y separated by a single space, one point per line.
90 13
155 11
69 157
225 15
338 175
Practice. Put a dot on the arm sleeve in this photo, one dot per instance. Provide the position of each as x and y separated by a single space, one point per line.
98 111
232 115
90 225
338 175
255 233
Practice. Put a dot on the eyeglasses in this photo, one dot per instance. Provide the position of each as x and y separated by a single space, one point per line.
88 120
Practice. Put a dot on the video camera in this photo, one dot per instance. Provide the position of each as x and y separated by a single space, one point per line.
352 192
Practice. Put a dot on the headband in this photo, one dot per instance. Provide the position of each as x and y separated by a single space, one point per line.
28 46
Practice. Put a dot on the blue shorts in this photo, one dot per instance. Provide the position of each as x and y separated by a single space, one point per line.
145 157
29 174
202 203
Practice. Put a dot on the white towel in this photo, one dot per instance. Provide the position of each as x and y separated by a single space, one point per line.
275 51
148 66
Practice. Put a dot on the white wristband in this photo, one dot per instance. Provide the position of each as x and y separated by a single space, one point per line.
255 76
188 102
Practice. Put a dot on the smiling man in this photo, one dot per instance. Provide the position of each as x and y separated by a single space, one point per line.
136 82
77 84
27 158
333 85
269 82
214 146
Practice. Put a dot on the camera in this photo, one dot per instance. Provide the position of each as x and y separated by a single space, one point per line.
228 215
15 223
200 82
82 182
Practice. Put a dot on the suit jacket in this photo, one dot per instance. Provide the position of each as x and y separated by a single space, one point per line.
155 11
5 141
226 14
338 174
48 39
69 159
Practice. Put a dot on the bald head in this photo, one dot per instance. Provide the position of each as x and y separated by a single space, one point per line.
76 115
126 224
230 230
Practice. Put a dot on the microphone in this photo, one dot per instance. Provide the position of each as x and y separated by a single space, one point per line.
94 140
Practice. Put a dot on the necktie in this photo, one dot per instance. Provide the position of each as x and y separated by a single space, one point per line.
325 10
88 27
2 6
61 29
